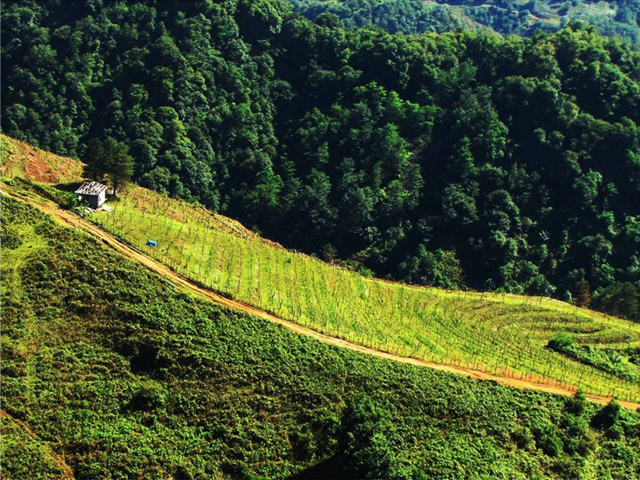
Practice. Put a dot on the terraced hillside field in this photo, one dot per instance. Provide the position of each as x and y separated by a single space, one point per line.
109 372
504 334
499 333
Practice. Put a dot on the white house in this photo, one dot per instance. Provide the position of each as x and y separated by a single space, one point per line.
93 193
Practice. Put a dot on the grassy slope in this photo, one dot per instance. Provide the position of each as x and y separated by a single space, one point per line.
17 159
503 334
110 372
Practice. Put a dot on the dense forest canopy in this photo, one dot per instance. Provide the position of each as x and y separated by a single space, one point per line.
459 159
619 18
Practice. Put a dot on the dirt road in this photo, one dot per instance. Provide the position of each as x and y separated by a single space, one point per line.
75 221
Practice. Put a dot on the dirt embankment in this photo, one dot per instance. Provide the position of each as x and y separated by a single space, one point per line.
186 284
37 165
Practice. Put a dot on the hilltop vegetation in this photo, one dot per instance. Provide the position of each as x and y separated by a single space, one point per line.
109 373
454 160
619 18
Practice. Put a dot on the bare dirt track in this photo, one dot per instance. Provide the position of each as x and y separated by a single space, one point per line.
184 283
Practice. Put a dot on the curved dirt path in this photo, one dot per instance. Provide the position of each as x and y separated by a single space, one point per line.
186 284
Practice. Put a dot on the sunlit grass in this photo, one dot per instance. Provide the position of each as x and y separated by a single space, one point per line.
501 333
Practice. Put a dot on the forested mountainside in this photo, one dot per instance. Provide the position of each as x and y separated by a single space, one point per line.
619 18
455 160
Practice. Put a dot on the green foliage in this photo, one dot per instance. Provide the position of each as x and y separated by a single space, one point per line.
108 160
122 376
578 404
621 299
608 417
404 16
24 456
561 342
367 446
619 18
606 360
458 160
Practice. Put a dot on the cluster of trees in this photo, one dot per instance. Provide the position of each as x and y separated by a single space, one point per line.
617 18
454 160
621 299
108 160
406 16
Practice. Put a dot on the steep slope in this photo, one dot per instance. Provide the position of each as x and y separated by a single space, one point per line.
503 377
502 334
153 383
493 335
21 160
448 160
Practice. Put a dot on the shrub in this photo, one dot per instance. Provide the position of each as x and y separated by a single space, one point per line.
560 343
607 417
149 396
578 403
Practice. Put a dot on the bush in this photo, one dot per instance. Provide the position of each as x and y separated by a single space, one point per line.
578 403
148 397
367 427
10 238
560 343
606 360
547 439
523 437
607 417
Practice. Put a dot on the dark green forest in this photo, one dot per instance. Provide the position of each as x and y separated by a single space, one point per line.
457 159
108 372
620 18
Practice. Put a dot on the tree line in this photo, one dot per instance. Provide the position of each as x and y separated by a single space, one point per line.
620 18
456 160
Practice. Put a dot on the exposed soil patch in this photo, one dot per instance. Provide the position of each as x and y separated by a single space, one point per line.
37 170
39 166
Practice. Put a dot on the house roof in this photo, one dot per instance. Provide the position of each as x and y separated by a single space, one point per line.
91 188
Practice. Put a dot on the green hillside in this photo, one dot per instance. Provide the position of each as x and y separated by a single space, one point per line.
109 373
457 160
342 239
505 334
620 18
533 338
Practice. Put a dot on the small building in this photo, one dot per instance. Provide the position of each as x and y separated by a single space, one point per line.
93 193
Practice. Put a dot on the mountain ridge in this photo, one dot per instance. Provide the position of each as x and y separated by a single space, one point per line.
525 17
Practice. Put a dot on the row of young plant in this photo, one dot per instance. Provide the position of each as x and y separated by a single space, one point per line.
434 325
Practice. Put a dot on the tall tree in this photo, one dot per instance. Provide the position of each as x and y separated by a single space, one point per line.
109 161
